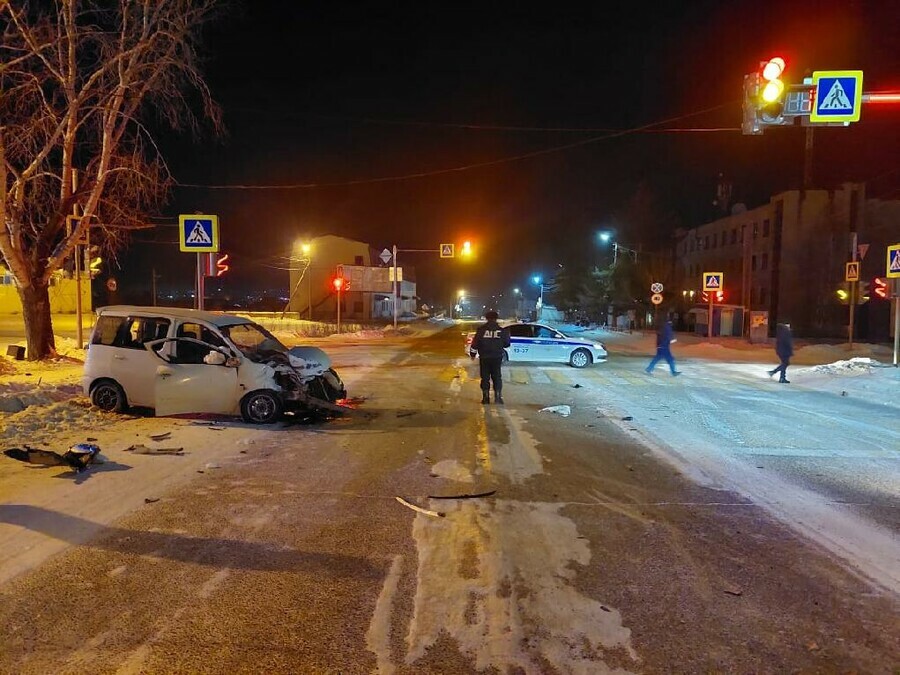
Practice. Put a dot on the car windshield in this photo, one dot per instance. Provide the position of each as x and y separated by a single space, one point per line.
255 342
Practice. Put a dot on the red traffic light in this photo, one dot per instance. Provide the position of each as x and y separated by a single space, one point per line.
718 296
880 288
340 284
222 264
773 68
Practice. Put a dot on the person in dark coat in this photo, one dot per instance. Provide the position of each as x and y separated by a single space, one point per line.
664 340
784 348
489 342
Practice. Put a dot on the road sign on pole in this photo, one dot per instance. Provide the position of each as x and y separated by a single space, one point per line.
713 281
838 96
656 298
385 256
656 287
447 250
852 272
198 233
893 261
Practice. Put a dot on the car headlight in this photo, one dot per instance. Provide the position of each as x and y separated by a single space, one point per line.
599 345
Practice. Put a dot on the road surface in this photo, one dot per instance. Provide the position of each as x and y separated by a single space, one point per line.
656 529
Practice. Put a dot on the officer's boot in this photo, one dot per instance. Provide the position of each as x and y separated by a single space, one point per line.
498 398
485 397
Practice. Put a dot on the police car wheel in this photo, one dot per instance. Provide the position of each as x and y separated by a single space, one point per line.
580 358
505 357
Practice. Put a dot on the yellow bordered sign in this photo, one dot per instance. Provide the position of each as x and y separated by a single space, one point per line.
838 96
198 233
713 281
893 261
447 250
852 272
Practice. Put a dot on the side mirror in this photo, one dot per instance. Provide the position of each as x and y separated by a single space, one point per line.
215 358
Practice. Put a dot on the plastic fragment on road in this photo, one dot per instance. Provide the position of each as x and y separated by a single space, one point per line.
78 457
144 450
160 437
474 495
562 410
434 514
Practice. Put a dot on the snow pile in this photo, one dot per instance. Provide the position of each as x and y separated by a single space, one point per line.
854 366
6 367
17 396
68 348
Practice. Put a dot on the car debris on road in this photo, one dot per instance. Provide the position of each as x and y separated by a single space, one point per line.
78 457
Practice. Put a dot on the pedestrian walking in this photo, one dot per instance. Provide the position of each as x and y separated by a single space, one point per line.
784 348
664 340
489 342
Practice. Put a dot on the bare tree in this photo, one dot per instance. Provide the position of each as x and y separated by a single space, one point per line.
82 84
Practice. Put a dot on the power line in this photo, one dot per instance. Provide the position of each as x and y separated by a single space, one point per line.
459 169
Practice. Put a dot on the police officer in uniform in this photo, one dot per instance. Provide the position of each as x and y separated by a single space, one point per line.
489 342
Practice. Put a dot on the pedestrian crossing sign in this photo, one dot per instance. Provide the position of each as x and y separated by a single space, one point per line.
447 250
838 96
893 261
713 281
198 233
852 273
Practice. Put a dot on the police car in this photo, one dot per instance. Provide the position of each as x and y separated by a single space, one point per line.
540 343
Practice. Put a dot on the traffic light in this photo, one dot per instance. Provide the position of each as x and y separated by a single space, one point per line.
222 264
94 267
340 284
764 96
862 292
880 288
718 296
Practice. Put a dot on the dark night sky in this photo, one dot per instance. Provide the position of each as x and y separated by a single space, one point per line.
334 92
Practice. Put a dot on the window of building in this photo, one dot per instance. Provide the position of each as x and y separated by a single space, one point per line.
763 295
753 263
755 230
715 240
706 242
766 227
765 261
733 235
358 260
724 237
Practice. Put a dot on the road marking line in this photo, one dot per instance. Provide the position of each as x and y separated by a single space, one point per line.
378 637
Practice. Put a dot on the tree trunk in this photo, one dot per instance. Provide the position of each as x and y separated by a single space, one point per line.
38 330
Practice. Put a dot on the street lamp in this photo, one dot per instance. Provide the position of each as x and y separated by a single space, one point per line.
539 281
606 237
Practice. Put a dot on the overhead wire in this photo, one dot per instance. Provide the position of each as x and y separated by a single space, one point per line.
458 169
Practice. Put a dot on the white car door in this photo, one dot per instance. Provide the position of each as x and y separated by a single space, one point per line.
129 361
521 338
547 347
182 388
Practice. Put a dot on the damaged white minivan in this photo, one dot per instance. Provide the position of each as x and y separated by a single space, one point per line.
180 361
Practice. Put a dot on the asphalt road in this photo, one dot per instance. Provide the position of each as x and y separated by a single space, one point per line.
589 553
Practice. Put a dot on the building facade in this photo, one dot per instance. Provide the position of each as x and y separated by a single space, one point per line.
784 261
312 293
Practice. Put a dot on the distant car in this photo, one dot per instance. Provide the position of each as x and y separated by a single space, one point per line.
539 343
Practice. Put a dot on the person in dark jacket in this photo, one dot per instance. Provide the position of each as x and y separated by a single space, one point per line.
489 342
664 340
784 348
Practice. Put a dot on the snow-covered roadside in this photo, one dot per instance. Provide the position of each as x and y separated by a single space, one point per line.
866 372
41 404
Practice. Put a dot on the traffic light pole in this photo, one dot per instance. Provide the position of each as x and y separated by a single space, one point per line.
339 309
896 319
852 290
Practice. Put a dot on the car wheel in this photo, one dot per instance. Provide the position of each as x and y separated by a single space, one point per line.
505 358
261 407
580 358
109 396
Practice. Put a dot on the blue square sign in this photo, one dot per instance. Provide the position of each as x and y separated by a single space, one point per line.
838 96
198 233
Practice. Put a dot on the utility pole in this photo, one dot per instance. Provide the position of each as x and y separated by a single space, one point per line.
394 299
153 277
